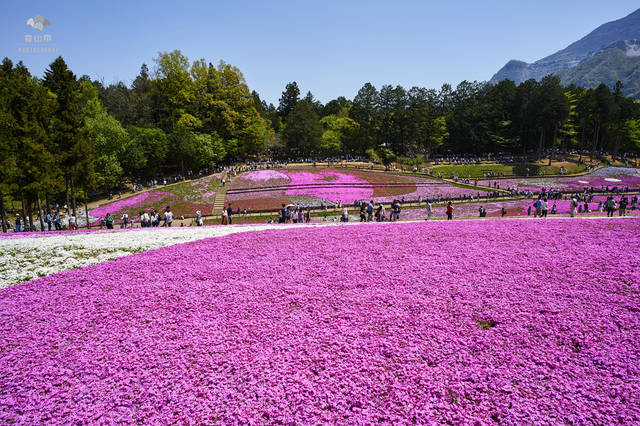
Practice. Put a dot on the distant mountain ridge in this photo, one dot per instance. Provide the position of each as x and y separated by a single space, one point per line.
622 35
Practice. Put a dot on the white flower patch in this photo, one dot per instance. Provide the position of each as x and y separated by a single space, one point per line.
24 259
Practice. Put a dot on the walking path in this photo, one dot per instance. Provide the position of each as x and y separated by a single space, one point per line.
221 197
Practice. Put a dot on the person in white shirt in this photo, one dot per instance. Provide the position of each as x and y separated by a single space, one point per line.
145 220
429 208
168 217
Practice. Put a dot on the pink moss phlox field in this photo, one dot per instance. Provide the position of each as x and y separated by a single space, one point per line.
607 177
468 322
136 200
260 179
431 189
346 194
333 186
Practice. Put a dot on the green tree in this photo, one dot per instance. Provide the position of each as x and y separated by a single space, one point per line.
288 100
365 111
147 150
173 88
337 128
69 134
302 132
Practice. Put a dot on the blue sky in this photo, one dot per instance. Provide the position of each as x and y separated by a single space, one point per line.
331 47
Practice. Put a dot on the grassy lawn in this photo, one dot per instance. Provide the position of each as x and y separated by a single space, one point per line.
478 171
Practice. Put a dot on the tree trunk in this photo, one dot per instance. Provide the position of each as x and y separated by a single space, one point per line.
66 192
30 212
2 217
86 210
617 144
553 144
24 213
73 196
596 130
540 144
40 213
584 128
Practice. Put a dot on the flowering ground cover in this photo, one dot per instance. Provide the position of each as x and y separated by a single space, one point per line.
260 179
314 187
606 177
418 324
28 255
468 210
185 198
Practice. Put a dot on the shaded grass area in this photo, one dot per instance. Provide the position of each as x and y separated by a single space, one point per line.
478 170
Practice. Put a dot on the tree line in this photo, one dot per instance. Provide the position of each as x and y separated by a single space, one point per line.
62 136
531 118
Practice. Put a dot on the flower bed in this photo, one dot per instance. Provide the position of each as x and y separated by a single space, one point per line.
467 210
28 255
432 189
185 198
418 325
260 179
607 177
330 186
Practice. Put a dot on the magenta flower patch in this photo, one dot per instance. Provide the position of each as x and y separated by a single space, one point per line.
136 202
468 322
329 185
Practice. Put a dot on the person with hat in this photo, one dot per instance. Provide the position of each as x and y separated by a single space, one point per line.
18 227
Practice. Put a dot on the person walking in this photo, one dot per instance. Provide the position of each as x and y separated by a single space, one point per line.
18 227
609 206
57 221
397 209
378 212
108 220
450 211
429 210
124 221
47 220
168 217
145 220
230 214
573 206
545 208
624 202
363 212
345 215
370 211
287 214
